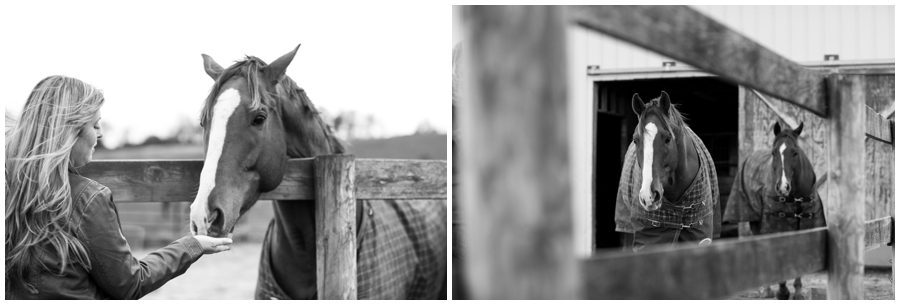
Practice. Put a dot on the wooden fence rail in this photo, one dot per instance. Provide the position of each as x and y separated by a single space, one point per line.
513 74
334 182
177 180
712 272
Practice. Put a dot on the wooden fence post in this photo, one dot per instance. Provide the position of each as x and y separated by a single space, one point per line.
517 194
845 199
335 227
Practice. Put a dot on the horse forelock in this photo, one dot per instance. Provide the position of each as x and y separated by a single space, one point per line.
249 70
788 137
673 118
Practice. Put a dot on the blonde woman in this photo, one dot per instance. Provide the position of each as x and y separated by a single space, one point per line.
63 237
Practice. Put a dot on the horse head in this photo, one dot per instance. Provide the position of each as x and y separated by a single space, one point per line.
253 120
657 148
790 166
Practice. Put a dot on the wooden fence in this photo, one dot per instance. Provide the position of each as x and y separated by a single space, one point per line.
515 147
335 182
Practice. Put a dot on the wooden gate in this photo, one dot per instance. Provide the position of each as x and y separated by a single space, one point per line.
517 196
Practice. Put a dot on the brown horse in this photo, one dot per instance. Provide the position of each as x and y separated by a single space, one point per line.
775 191
668 191
254 119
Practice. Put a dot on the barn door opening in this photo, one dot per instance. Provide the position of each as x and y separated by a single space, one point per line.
711 106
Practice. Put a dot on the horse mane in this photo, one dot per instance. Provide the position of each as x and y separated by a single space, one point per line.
295 93
249 69
673 118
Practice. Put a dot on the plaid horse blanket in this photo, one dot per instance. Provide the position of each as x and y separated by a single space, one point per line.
401 252
753 199
704 189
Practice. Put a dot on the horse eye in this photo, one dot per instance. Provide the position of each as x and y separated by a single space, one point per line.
259 120
668 139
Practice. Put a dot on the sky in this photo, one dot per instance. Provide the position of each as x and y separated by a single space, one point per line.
371 59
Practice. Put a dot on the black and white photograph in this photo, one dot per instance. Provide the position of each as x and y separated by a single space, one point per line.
225 150
726 152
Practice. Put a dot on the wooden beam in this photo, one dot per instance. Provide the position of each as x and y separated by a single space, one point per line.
877 127
407 179
689 36
879 232
177 180
717 271
335 227
845 194
517 198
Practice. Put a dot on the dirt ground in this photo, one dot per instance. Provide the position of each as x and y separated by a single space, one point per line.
223 276
877 281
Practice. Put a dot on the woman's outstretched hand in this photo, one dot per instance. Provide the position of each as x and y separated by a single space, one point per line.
212 245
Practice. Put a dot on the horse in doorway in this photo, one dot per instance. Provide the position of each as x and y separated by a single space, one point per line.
775 190
668 191
256 118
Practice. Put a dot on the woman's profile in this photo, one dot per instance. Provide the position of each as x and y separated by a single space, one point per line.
63 236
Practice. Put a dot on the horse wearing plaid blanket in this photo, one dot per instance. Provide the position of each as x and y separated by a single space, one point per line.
254 119
776 191
668 191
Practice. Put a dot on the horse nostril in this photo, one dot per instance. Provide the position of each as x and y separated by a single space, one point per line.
217 220
193 227
655 196
212 217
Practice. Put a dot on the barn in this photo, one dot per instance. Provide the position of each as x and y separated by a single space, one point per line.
604 72
731 120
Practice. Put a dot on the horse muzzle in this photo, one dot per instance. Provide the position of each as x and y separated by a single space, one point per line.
652 201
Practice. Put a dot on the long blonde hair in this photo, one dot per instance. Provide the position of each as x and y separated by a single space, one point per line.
38 197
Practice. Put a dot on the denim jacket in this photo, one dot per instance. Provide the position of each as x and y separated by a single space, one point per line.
115 273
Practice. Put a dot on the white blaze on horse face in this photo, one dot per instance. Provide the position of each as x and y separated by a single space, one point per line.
647 171
783 186
226 103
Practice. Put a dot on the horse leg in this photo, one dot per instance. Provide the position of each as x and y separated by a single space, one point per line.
765 292
798 290
783 292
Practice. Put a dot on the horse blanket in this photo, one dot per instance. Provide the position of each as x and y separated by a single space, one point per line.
696 213
754 199
401 252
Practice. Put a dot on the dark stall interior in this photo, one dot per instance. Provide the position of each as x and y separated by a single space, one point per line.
711 108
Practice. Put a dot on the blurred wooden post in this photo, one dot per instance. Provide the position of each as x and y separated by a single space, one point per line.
845 199
517 197
335 227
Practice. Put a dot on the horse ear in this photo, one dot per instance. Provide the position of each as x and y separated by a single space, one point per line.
776 129
664 102
275 70
637 104
798 130
212 68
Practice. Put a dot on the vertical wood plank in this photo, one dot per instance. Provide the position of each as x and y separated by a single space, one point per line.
335 227
518 196
846 192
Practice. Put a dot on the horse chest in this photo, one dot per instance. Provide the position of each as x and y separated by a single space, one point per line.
788 216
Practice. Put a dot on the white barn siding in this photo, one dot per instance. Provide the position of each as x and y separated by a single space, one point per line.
799 33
